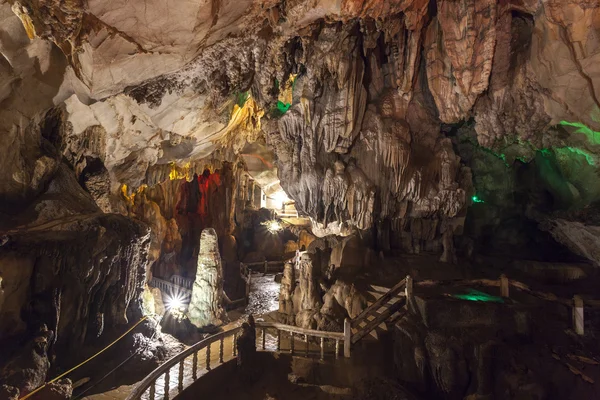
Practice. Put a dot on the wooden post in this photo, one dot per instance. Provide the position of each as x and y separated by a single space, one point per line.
337 348
347 337
306 343
195 366
504 286
322 348
248 287
292 343
167 381
221 348
266 267
278 340
578 315
152 390
234 345
408 291
263 338
208 357
180 377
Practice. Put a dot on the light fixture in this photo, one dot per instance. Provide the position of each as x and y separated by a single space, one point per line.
273 225
477 199
280 198
174 303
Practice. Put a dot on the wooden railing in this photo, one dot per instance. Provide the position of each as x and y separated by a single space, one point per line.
147 389
576 303
164 371
182 281
266 266
168 286
391 302
308 334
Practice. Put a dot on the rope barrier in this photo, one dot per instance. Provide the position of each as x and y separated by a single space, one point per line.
84 362
94 384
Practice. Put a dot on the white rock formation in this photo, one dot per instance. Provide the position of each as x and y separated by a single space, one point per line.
206 308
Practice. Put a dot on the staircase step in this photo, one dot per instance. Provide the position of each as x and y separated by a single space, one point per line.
370 303
376 322
379 289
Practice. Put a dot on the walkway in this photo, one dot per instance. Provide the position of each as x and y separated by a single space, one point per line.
264 298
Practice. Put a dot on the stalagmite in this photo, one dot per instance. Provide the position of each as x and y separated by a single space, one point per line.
206 308
286 291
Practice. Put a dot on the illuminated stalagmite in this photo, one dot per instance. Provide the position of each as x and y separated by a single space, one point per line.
206 305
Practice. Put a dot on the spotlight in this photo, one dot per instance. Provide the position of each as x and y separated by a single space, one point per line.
273 226
174 302
280 198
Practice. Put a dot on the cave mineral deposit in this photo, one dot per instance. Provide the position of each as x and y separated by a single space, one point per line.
418 180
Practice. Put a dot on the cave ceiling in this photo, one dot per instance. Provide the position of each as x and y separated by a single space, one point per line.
351 106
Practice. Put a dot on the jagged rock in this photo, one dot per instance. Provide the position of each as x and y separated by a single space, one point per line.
349 256
348 297
206 307
59 390
111 247
9 392
28 370
581 239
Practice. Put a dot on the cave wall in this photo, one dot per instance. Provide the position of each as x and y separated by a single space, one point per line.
178 209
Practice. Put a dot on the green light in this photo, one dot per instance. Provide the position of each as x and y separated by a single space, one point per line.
593 136
283 107
240 98
588 157
477 200
475 295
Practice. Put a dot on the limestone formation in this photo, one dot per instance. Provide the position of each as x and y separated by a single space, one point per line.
206 306
288 284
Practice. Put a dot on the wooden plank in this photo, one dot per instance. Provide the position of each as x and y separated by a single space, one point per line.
381 301
301 331
373 324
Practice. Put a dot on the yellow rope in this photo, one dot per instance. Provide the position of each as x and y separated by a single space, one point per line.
77 366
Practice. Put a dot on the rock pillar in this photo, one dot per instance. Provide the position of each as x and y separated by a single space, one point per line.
307 297
206 308
286 291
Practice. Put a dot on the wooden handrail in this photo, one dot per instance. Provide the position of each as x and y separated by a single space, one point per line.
164 368
149 381
516 284
380 302
262 263
301 331
460 282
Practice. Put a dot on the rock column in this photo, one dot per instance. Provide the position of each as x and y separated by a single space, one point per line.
286 291
206 308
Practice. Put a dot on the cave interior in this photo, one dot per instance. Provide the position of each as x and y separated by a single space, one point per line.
170 170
